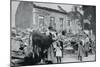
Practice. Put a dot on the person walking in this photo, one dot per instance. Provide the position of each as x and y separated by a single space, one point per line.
86 49
80 50
86 46
58 52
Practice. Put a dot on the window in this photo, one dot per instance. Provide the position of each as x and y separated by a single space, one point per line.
68 22
70 31
61 22
41 21
52 22
78 22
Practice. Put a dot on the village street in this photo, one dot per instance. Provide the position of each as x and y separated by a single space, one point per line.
73 58
67 58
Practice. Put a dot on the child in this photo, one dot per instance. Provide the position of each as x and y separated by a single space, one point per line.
58 52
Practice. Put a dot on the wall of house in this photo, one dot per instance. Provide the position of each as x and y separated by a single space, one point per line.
27 16
75 27
47 15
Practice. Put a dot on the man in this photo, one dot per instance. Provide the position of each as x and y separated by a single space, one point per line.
86 49
86 46
80 50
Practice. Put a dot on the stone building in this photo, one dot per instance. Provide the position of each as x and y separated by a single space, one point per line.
37 15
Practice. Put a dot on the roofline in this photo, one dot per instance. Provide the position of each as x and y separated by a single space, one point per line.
56 3
48 9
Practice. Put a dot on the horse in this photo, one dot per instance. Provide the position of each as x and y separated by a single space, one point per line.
40 45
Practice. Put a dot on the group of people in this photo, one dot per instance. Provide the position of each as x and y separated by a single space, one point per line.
83 46
57 44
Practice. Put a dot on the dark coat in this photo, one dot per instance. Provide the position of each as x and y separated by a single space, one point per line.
86 46
80 50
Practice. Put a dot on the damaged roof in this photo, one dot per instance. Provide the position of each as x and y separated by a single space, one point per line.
54 7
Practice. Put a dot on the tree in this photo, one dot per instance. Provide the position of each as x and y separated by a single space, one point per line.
90 14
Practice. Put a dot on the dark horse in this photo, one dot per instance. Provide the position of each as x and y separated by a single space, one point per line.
40 44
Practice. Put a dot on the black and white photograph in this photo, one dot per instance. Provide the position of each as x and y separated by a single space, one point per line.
43 33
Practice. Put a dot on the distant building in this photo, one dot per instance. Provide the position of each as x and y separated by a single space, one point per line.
37 15
75 21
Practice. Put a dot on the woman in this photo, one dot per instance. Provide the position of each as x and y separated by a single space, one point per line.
58 52
80 50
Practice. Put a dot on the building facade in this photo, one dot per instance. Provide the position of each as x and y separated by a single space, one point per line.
31 14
